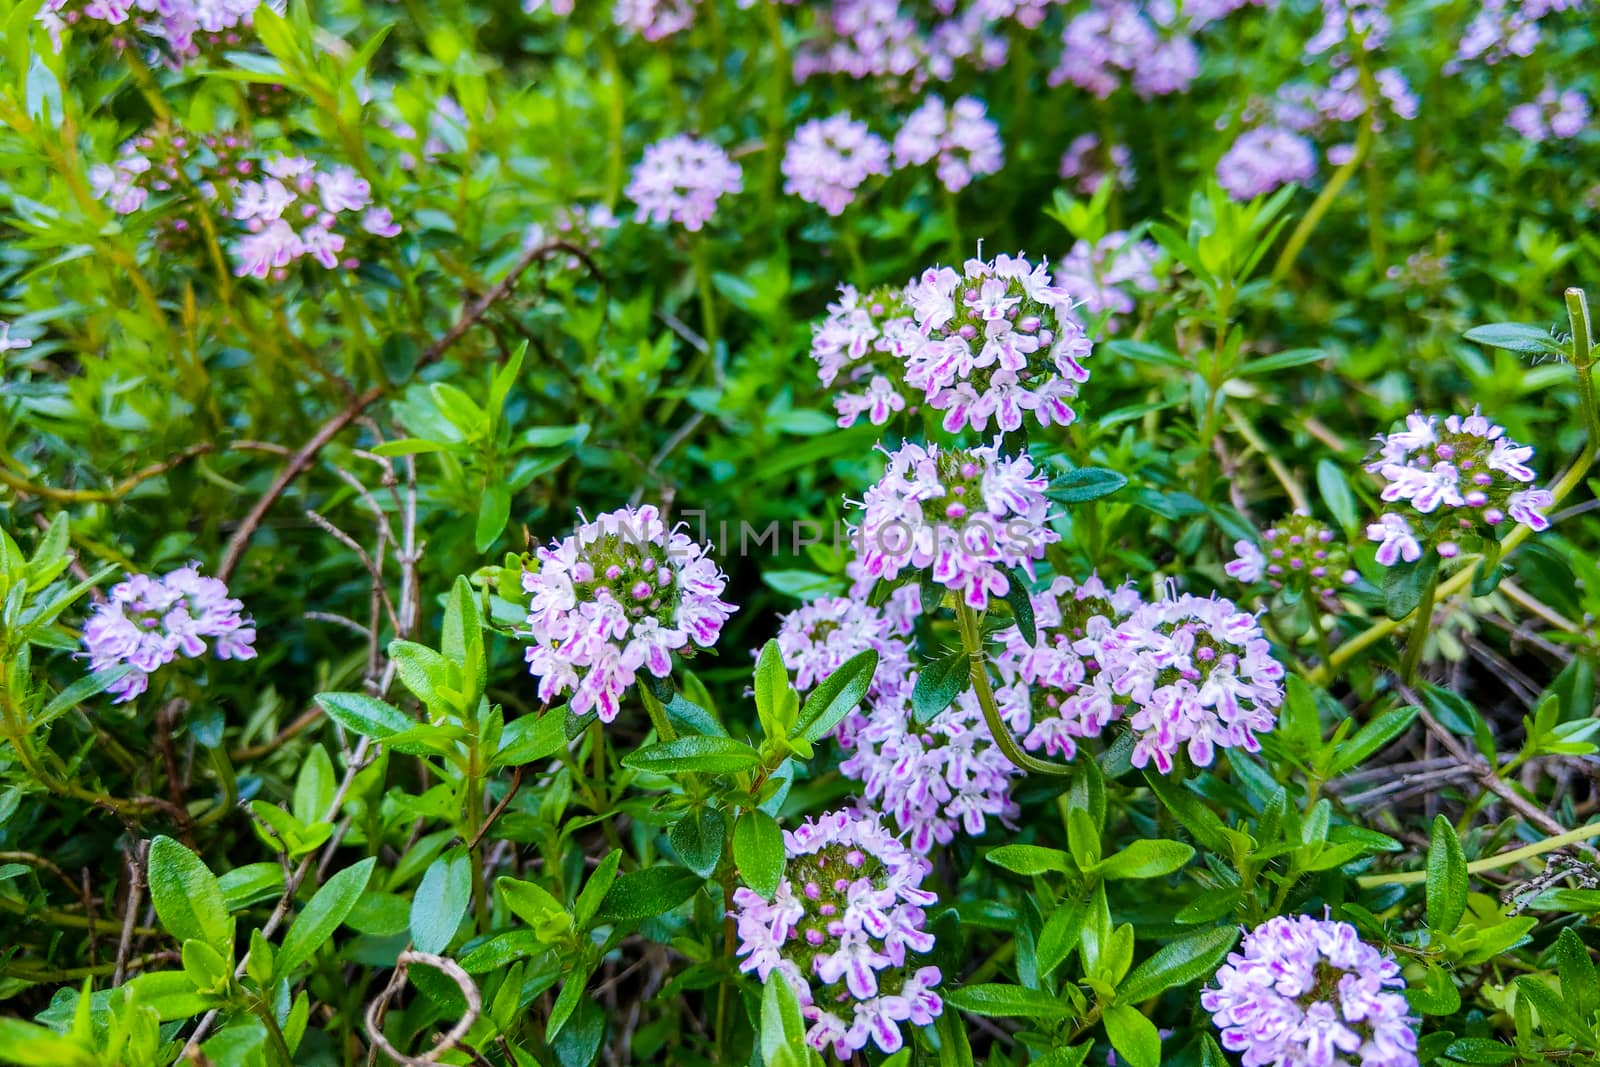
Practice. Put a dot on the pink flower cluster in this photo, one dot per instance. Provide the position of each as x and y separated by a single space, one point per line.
867 339
829 159
1109 275
168 160
1048 692
619 594
969 514
182 28
653 19
841 930
817 638
1085 164
1301 555
960 140
1460 476
1119 39
878 39
1551 116
680 180
1000 339
147 623
298 210
1503 28
1196 673
1304 991
1264 159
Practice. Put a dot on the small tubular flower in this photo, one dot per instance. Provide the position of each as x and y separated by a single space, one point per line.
1306 991
617 595
148 622
842 930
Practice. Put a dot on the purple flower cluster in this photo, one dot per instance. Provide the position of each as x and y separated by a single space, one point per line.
579 225
969 514
878 39
298 210
1085 164
148 622
1118 39
1000 339
1503 28
1303 991
1108 275
1460 475
933 779
1049 689
829 159
181 28
618 594
866 338
1552 115
1263 159
680 180
961 141
653 19
1301 554
1196 673
841 930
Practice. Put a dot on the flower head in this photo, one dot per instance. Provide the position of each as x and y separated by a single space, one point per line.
618 594
967 513
961 140
829 159
1000 339
1301 554
148 622
1086 164
842 929
817 638
1310 991
866 337
680 180
1191 673
1452 477
1263 159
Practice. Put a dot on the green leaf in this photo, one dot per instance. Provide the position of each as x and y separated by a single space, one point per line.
1553 1013
89 685
595 889
1371 737
1480 1050
1403 585
30 1045
314 926
1133 1036
1185 960
363 715
1281 361
1516 337
1029 860
1436 994
648 893
783 1028
995 999
1145 859
698 839
494 509
704 755
462 641
1447 878
939 683
314 787
1334 487
1580 985
1084 484
411 446
777 703
836 695
1060 935
441 902
1021 604
188 897
530 738
758 851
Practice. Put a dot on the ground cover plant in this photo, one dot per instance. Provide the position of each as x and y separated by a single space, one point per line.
733 531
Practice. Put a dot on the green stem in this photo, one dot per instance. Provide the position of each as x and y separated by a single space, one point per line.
474 826
1490 863
1422 623
1583 361
1319 206
971 642
658 719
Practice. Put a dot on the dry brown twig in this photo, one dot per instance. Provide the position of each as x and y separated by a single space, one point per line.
450 1040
